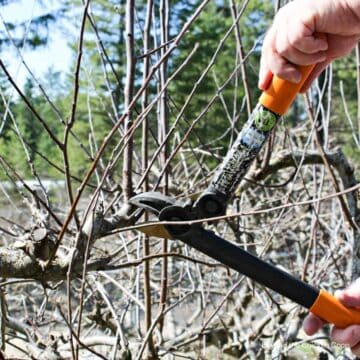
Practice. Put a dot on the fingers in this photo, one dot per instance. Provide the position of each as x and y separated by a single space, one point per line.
349 336
340 45
280 67
273 63
299 45
265 79
356 350
312 324
318 69
265 75
302 38
307 32
295 56
351 295
281 51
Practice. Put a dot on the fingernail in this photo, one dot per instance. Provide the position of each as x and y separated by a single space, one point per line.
323 45
295 78
265 81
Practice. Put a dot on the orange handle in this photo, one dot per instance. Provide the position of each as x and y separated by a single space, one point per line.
281 93
330 309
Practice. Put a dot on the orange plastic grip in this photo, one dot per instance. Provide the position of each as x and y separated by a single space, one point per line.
281 93
330 309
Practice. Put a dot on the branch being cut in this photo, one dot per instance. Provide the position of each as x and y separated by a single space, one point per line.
26 264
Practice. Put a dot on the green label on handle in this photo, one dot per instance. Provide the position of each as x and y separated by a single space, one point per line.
244 150
264 119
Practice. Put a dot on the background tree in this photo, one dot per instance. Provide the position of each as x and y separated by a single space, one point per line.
79 279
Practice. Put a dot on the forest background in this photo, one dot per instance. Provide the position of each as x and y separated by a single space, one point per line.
154 94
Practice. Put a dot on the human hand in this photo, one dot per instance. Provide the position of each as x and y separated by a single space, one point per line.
350 336
308 32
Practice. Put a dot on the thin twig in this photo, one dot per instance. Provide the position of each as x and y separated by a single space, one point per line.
331 172
58 306
109 136
29 105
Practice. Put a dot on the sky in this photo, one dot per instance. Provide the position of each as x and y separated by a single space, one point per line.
55 55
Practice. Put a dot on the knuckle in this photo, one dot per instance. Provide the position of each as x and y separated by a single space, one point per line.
283 50
356 350
355 335
294 40
281 72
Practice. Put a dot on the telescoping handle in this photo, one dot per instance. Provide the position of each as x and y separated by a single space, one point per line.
281 93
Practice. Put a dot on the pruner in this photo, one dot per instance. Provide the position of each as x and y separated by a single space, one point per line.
182 219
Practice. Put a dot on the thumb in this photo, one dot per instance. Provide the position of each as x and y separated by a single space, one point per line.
312 324
351 295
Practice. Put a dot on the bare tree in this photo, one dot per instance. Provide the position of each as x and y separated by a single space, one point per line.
80 277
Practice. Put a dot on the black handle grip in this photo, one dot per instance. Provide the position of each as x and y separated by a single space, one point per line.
251 266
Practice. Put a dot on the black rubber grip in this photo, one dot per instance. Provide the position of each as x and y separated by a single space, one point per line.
256 269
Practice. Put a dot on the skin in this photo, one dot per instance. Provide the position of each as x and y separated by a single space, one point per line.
316 32
308 32
349 336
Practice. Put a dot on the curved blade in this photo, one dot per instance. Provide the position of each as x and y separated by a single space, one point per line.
157 231
152 201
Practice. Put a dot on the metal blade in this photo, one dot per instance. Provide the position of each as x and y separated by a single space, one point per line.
152 201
